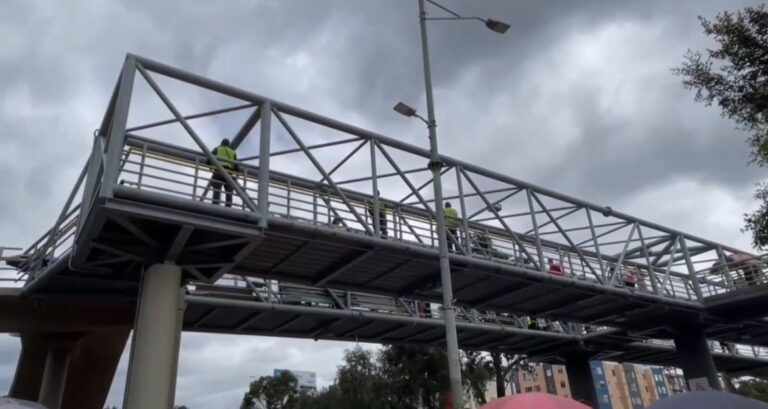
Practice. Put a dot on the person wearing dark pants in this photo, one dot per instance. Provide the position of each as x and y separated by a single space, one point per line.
228 157
218 183
382 216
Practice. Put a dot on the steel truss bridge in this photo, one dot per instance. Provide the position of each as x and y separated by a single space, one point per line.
306 213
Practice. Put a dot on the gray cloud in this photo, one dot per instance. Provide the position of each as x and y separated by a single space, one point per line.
577 96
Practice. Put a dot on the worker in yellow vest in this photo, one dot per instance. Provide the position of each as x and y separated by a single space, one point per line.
451 224
382 215
228 159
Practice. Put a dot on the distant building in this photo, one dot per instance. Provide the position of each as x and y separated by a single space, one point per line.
660 381
618 386
675 380
552 379
307 381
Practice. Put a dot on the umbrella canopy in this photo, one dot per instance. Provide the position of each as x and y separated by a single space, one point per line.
534 401
8 403
708 400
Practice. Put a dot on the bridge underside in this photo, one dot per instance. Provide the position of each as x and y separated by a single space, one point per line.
242 316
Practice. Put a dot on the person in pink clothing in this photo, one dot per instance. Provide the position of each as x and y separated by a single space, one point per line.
555 268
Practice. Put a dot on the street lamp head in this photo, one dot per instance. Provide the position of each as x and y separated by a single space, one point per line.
497 26
404 109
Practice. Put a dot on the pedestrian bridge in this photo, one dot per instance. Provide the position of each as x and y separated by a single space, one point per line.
306 210
145 201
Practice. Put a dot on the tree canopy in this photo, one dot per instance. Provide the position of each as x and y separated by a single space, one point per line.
734 76
395 377
272 392
753 388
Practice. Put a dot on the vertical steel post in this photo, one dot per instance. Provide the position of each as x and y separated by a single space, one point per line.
94 172
264 150
116 137
375 186
539 249
245 184
194 183
141 166
314 206
435 164
288 198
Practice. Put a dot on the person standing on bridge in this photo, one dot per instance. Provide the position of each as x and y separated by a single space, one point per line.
451 224
382 215
555 268
228 158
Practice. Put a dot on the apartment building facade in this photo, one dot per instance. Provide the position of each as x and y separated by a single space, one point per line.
618 386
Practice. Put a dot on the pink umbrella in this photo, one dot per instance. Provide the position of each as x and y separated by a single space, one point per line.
534 401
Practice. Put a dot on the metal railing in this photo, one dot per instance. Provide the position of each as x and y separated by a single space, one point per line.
500 218
730 275
159 168
273 291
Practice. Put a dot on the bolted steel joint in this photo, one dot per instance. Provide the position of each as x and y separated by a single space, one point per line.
435 165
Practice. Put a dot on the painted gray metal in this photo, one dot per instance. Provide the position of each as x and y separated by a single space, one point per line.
280 228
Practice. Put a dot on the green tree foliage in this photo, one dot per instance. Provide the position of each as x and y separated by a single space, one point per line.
358 381
416 377
395 377
734 75
753 388
477 370
270 392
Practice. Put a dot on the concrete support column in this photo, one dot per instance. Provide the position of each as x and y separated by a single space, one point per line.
55 375
694 355
29 370
580 379
154 356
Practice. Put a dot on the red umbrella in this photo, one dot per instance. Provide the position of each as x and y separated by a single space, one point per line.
534 401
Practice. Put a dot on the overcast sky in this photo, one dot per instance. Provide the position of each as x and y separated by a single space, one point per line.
577 96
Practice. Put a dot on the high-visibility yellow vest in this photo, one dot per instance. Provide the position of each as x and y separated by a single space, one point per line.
226 155
382 208
451 218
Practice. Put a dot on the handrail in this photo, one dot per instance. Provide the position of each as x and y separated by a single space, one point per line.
167 169
183 172
275 292
742 273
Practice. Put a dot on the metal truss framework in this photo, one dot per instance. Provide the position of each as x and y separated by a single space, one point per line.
502 219
330 178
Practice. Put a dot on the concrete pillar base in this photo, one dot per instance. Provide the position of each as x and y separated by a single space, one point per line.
695 357
154 357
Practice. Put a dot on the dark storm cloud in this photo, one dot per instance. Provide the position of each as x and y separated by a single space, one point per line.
577 96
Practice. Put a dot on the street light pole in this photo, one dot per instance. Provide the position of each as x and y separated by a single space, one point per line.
435 165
